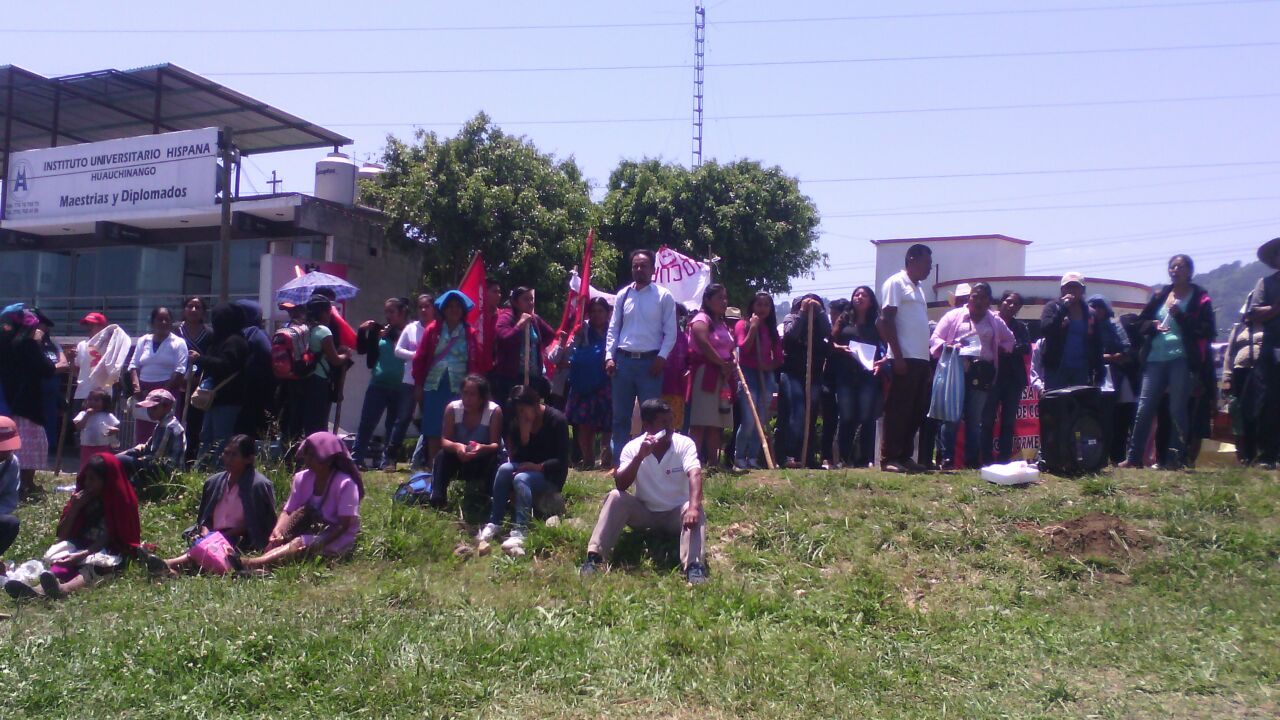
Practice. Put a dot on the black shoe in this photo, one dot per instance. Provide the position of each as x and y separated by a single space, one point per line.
52 588
593 564
1265 466
21 591
155 565
696 574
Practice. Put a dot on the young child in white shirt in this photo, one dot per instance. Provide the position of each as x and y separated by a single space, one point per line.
99 429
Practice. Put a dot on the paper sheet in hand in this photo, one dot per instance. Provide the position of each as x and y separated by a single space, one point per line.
865 353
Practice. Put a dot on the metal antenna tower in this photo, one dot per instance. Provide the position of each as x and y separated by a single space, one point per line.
699 63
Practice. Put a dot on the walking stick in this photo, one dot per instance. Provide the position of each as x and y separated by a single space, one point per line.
186 404
808 394
528 341
755 415
66 415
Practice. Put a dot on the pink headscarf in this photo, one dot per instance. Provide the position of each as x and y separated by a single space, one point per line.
328 446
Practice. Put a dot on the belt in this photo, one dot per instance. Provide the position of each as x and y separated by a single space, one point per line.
637 355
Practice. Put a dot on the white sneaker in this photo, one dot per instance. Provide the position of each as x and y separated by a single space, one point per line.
514 540
487 533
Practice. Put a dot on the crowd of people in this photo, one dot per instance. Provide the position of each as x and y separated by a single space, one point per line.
215 387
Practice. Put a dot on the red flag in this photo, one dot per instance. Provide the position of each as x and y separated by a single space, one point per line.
472 285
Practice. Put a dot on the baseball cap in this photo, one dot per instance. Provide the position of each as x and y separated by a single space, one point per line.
9 437
157 396
1072 277
94 318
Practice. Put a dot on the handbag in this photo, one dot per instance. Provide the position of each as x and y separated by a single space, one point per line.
202 398
212 553
981 375
946 402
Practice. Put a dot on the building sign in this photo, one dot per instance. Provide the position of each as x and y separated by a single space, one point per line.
150 172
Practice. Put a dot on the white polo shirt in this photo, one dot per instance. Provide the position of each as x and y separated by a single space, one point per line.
912 320
663 485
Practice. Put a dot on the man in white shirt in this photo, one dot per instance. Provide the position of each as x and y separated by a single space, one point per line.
642 333
663 466
904 325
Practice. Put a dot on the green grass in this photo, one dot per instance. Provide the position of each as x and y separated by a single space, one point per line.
833 595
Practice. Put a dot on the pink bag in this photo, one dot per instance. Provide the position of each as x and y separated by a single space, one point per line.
210 553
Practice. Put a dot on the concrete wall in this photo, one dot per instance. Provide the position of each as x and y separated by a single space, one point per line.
954 258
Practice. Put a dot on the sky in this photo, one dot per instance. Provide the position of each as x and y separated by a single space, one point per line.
1111 133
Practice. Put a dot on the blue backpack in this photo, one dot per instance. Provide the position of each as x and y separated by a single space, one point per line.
415 492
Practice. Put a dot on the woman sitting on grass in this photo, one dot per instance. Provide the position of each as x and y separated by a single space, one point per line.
100 525
538 445
240 503
322 515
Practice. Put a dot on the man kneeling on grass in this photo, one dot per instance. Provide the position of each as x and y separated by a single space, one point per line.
664 468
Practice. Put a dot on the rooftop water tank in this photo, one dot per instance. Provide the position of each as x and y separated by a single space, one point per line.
371 171
336 179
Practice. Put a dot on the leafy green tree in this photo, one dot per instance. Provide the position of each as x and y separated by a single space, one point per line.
755 219
483 190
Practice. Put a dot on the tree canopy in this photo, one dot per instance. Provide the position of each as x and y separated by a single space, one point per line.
483 190
755 219
529 213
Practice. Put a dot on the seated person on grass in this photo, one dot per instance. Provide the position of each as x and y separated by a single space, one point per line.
240 503
538 442
471 443
322 515
10 481
663 467
163 455
97 533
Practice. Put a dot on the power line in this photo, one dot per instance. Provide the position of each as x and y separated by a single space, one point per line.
1061 171
825 114
1087 191
745 64
1197 201
629 25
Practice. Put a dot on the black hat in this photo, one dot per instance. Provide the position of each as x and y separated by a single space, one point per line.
1269 253
44 319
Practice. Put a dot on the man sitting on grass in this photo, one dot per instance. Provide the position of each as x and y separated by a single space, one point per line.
664 468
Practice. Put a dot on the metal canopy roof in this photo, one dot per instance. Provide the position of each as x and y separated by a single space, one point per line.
39 112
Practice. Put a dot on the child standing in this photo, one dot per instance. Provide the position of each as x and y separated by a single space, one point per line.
98 427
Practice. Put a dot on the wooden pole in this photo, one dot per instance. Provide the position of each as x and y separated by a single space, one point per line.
191 387
528 341
66 415
755 415
808 394
224 230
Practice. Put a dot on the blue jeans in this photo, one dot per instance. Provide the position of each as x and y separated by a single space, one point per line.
524 485
377 400
855 404
976 436
219 424
1006 399
747 444
793 439
631 382
403 418
1157 377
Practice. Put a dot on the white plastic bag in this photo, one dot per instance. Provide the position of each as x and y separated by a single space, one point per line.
28 572
1019 472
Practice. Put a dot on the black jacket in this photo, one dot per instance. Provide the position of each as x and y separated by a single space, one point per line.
795 331
1054 324
1197 324
550 446
1012 371
23 364
258 496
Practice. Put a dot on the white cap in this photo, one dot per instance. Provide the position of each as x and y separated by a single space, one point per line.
1072 277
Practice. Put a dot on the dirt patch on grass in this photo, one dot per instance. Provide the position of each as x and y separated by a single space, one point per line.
1096 535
